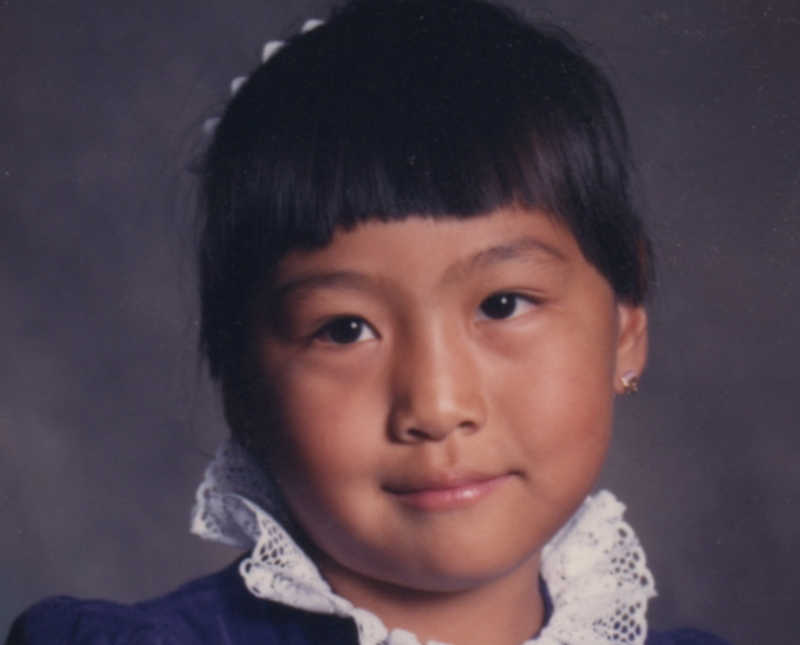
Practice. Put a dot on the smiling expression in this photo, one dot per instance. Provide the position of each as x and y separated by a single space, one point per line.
445 394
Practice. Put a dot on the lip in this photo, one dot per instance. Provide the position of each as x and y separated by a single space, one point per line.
447 492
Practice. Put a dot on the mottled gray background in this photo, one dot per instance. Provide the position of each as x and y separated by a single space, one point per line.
106 421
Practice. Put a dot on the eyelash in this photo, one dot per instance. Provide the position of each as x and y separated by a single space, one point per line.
500 298
344 325
340 324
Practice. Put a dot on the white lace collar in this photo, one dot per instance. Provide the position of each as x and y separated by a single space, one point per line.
594 566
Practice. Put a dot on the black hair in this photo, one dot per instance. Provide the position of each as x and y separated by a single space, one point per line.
397 108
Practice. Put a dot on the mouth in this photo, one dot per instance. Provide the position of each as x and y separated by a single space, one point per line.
446 492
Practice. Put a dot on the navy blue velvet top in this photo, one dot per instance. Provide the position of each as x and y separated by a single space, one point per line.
215 610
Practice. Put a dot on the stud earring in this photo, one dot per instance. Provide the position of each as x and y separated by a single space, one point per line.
630 382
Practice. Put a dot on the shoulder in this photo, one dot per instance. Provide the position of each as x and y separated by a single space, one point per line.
683 637
214 609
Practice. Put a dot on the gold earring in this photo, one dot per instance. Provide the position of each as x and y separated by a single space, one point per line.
630 382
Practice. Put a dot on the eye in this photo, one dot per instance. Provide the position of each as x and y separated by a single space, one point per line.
346 330
505 305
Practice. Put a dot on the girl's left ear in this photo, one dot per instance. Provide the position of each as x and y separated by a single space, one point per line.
631 347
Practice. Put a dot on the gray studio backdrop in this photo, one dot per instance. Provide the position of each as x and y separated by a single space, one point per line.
106 421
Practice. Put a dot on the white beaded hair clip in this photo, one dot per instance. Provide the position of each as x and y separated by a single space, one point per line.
269 50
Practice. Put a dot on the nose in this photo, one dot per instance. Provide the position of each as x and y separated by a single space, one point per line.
436 388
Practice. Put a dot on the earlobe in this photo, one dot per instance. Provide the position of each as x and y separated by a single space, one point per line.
631 347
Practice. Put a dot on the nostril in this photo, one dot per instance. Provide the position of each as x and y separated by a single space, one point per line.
417 434
407 427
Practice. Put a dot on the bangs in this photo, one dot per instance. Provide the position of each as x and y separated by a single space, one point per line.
440 116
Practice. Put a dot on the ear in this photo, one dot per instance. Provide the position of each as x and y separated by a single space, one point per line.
631 343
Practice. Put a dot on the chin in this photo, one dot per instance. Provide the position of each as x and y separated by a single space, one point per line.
457 568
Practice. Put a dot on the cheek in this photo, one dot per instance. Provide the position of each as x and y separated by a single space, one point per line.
327 460
559 420
328 430
557 395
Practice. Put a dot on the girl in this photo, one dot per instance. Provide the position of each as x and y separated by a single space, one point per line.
422 287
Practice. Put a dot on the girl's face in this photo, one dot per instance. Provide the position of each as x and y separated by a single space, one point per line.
444 389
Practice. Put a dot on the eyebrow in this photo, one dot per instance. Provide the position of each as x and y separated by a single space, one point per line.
330 279
521 249
524 248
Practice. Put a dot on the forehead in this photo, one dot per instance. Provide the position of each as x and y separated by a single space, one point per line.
444 248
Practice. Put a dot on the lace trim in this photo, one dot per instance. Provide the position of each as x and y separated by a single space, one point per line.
594 566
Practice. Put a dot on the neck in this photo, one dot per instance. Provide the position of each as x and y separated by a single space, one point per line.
505 611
